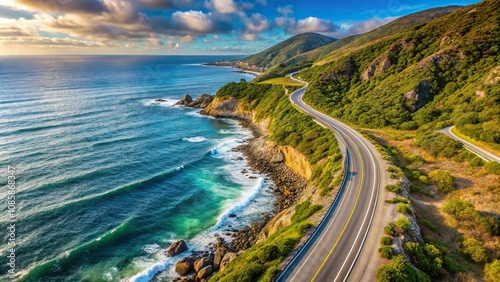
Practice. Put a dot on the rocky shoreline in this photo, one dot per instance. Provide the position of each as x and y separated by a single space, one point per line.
263 157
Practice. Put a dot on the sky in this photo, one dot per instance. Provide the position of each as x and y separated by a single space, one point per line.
186 27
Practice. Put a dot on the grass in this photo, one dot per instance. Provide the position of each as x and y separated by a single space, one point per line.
283 81
494 148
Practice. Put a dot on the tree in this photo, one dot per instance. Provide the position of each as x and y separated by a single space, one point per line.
443 180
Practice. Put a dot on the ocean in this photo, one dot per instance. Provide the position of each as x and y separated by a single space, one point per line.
106 178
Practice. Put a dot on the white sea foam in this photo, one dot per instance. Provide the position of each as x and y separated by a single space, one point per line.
194 139
151 249
165 103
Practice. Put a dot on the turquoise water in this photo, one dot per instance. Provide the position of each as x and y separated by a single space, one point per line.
107 178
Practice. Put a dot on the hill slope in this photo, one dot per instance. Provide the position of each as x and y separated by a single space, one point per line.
287 49
442 72
393 27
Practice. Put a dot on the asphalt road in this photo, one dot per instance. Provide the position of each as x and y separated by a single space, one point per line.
473 148
333 250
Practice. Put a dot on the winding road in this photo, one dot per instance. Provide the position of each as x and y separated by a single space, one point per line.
333 251
473 148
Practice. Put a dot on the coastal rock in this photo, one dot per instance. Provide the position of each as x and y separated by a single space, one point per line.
201 102
202 263
160 100
185 101
219 254
184 266
228 108
228 257
177 248
205 272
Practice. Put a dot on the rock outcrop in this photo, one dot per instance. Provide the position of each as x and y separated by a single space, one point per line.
296 161
228 108
201 102
205 272
184 266
177 248
202 263
228 257
418 97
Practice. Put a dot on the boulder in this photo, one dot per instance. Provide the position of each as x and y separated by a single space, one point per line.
219 254
418 97
184 266
186 100
160 100
202 263
228 257
205 272
202 101
177 248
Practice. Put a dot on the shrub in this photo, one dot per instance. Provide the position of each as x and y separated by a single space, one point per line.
386 252
492 271
427 258
443 179
438 144
393 188
474 249
492 167
386 241
491 225
423 179
427 223
398 269
402 224
268 253
404 208
460 209
476 161
390 229
397 200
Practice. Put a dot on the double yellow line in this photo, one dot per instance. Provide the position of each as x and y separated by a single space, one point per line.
350 215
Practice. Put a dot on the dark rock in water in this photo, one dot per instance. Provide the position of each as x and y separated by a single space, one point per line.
184 266
231 215
252 177
160 100
185 101
201 102
205 272
177 248
202 263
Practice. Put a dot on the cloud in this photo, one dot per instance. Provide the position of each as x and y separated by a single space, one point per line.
310 24
58 6
227 6
286 10
359 27
173 45
166 4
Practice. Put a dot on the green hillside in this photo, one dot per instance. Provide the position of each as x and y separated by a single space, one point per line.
287 49
435 74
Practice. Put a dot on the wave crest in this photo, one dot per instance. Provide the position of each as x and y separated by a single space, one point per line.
194 139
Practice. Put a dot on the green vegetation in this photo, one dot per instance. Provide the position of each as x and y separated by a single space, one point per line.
289 126
404 208
261 261
397 200
386 252
281 52
427 258
393 188
386 241
427 223
492 271
398 269
394 228
428 76
304 210
474 249
468 217
438 145
283 81
492 167
443 179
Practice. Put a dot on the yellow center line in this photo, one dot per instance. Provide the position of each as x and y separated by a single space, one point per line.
348 219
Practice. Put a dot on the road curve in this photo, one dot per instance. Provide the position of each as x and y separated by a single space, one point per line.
473 148
333 250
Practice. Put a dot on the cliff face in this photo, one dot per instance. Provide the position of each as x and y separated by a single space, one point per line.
296 161
231 108
227 107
